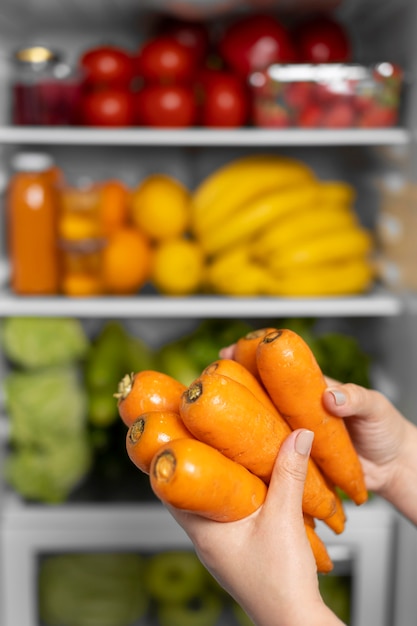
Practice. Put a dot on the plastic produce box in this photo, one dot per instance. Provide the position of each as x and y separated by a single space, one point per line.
328 95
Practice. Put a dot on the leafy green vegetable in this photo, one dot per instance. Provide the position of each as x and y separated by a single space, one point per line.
48 472
341 357
185 358
92 590
44 404
50 451
33 342
112 354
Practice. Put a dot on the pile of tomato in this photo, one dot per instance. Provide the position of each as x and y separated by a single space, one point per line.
196 74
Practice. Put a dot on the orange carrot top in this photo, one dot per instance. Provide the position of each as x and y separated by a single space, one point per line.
147 390
245 349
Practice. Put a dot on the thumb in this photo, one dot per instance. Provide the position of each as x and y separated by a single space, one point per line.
286 487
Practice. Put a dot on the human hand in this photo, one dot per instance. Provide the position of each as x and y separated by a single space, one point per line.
265 561
378 430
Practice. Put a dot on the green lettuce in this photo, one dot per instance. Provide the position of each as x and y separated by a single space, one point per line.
33 342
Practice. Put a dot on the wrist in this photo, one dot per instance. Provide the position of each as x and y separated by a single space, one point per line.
315 613
400 488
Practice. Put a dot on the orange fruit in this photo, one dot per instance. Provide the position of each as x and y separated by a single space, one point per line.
114 206
126 261
178 267
160 207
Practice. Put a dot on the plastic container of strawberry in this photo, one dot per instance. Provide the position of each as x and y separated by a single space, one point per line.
328 95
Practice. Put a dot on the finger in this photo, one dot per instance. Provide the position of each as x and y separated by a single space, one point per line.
227 352
286 487
353 400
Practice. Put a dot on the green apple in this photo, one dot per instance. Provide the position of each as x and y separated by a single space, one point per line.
202 610
175 576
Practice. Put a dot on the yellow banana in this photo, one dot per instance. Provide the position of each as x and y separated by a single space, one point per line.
241 184
233 273
301 226
329 247
348 277
337 192
255 215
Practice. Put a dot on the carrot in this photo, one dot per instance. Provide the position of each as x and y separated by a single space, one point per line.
237 371
226 415
245 349
149 432
323 561
147 390
295 383
336 521
191 475
194 477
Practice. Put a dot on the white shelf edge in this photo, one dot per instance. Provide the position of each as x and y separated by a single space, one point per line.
203 136
377 303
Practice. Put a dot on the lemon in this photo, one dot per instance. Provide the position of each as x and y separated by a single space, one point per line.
160 207
178 267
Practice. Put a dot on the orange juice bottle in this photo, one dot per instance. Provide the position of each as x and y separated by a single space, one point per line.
31 225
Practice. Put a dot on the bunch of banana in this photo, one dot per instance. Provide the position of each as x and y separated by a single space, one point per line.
268 226
241 181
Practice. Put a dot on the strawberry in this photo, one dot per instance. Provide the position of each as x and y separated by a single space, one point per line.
298 94
378 115
271 115
310 116
339 115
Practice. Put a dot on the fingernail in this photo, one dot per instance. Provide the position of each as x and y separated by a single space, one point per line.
339 396
303 442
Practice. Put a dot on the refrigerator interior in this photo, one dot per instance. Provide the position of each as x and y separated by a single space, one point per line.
378 552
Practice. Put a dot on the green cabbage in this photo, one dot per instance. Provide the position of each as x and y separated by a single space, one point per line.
32 342
50 452
45 404
49 472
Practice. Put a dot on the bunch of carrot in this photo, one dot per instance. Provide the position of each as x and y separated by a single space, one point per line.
210 447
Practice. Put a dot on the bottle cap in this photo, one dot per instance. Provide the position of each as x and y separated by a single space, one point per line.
36 54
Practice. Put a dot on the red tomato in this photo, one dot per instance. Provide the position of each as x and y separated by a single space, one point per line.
164 60
110 107
194 36
107 65
254 42
166 106
321 39
225 100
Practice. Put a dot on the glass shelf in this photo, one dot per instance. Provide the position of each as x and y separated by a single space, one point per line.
258 137
377 303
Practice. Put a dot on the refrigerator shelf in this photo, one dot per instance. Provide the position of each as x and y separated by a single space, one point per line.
147 525
377 303
203 137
